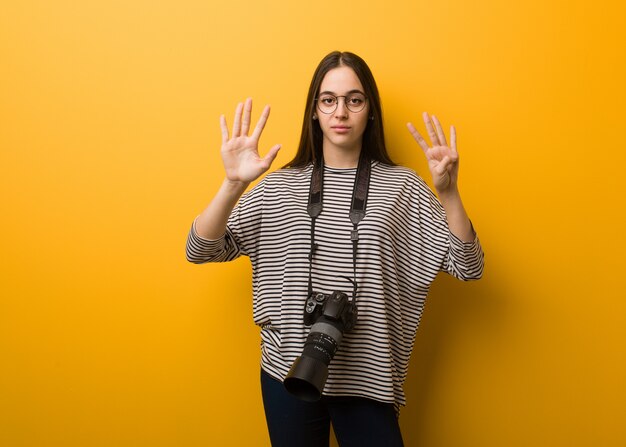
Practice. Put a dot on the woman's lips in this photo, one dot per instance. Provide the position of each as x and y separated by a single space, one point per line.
341 129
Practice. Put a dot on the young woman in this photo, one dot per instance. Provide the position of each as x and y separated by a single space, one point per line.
382 242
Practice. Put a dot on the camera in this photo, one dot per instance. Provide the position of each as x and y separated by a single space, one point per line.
329 315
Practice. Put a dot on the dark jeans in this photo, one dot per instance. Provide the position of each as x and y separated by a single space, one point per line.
357 421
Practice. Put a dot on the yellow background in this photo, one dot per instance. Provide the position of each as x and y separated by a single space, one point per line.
110 147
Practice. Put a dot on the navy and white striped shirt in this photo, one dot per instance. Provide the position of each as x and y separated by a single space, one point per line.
404 241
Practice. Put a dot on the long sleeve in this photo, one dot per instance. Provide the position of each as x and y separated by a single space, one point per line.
240 238
404 242
200 250
463 260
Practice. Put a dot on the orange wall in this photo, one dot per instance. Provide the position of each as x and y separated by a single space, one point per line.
110 141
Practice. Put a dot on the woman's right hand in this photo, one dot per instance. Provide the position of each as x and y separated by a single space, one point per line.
240 152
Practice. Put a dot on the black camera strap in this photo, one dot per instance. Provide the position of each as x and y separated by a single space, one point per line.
357 209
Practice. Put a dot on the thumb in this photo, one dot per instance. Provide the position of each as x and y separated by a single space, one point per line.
271 155
443 165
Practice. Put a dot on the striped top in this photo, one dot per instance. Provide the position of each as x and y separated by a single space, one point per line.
404 241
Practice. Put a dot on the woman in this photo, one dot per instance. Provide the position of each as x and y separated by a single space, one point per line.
384 254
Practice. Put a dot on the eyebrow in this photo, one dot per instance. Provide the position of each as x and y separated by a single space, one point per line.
326 92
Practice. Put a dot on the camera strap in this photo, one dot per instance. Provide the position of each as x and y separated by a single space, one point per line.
357 209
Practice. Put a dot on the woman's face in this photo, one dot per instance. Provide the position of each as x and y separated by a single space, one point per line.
343 129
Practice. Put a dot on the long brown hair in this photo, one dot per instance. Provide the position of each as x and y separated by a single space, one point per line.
310 147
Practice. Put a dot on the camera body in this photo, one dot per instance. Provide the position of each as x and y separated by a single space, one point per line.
335 306
329 315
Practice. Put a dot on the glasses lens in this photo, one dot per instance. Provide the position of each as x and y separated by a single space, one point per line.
327 103
355 102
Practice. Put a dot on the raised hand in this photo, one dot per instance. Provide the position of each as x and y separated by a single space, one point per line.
443 160
240 152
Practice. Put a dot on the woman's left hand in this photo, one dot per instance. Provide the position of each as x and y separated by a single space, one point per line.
443 160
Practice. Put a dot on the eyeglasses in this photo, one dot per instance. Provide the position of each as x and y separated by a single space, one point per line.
327 103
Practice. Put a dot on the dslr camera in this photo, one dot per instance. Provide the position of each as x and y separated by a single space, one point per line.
329 315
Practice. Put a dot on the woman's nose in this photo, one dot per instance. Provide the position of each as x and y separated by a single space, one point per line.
342 110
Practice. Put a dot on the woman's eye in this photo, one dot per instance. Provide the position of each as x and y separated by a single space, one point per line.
355 100
328 100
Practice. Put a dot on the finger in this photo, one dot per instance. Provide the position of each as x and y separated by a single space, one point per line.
237 123
453 139
440 134
247 110
430 129
417 137
260 125
224 127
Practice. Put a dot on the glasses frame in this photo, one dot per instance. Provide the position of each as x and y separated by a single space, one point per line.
317 104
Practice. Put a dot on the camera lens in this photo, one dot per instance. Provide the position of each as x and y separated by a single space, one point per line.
309 372
329 315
